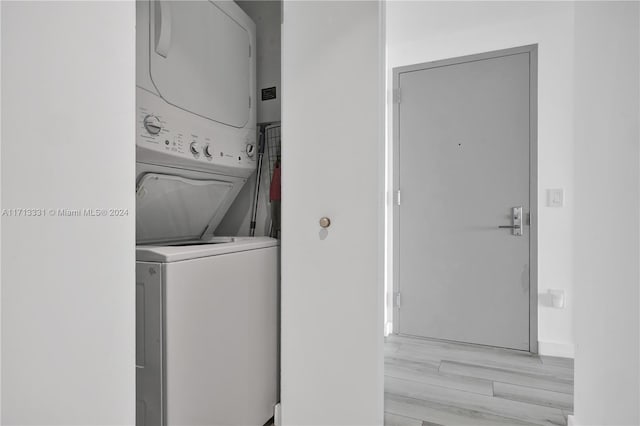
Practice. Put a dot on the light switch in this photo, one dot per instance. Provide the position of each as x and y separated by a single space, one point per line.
557 298
555 197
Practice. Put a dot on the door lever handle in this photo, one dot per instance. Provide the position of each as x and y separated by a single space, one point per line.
516 217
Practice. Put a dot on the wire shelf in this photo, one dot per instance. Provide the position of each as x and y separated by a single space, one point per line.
272 148
273 142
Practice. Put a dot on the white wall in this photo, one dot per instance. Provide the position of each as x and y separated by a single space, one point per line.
427 31
68 300
332 361
607 182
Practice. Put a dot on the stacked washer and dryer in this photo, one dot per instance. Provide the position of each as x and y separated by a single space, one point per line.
207 306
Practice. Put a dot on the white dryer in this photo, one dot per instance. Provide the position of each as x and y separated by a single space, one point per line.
207 306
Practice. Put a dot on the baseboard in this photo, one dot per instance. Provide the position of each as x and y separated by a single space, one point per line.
564 350
571 420
388 328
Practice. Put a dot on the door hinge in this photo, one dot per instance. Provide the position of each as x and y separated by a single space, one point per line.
396 96
249 50
398 197
396 299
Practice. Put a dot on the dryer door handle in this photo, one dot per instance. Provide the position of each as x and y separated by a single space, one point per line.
162 27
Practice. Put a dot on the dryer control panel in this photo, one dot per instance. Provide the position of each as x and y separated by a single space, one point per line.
167 135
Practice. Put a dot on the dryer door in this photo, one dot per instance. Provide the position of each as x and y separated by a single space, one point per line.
199 58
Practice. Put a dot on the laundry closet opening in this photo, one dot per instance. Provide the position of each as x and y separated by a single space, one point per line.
208 162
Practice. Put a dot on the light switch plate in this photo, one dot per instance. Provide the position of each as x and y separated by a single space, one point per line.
555 197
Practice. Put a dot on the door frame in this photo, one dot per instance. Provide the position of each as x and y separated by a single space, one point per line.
533 174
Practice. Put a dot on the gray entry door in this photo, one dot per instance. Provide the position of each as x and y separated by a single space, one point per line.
464 137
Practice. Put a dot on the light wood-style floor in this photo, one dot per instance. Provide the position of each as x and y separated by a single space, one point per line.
440 383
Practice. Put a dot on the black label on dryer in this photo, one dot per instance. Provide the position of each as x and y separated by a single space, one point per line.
268 93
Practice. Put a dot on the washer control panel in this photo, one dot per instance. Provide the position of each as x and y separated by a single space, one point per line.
172 135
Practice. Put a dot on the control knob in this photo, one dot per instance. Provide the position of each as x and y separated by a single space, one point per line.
250 149
207 151
152 124
195 150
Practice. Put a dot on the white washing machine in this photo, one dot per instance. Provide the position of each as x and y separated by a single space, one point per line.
207 306
207 323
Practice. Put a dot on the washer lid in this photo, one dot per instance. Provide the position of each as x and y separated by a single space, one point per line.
175 208
214 247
